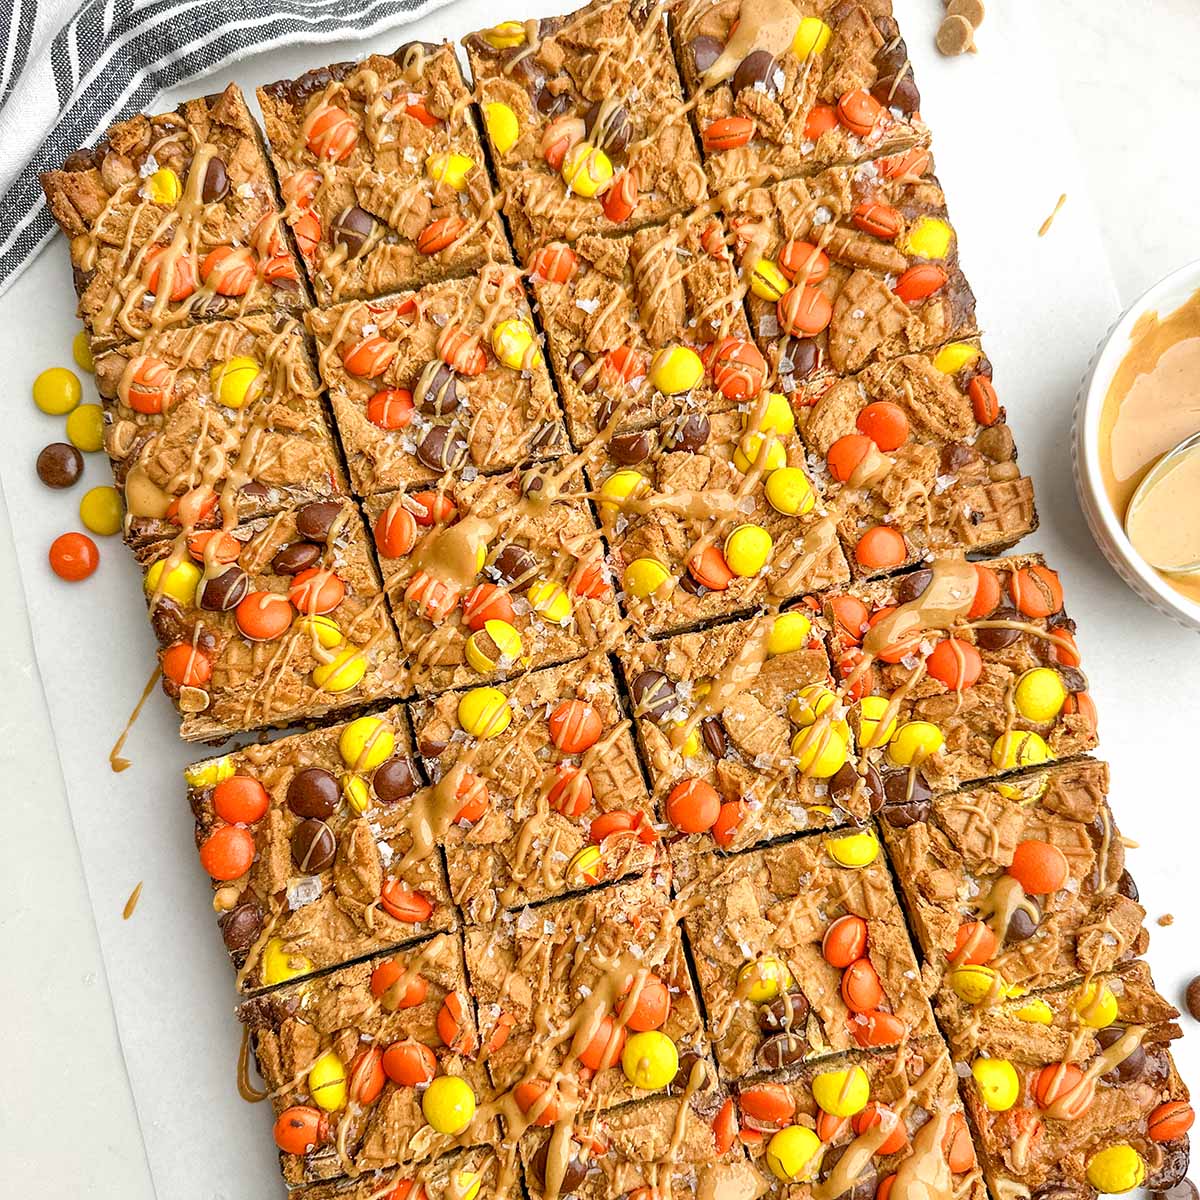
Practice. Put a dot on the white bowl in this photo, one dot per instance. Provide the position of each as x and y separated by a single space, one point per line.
1164 297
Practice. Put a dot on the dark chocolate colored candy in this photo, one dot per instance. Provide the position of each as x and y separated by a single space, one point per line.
631 448
313 846
712 732
1173 1169
1129 1068
295 557
216 181
1023 924
578 365
395 780
759 71
552 104
442 449
784 1013
59 465
241 926
653 695
799 357
781 1050
688 433
315 520
352 229
313 792
608 127
898 92
517 566
436 392
1000 637
911 586
704 51
573 1175
841 786
224 592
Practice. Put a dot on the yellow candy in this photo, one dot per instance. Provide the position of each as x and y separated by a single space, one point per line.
85 428
794 1154
325 631
1114 1169
210 772
343 672
450 168
467 1185
676 369
1020 748
622 485
236 382
327 1082
976 984
1040 695
163 187
842 1093
1035 1012
997 1081
820 752
928 237
502 125
767 281
748 550
763 980
691 741
483 712
496 644
448 1104
279 964
1025 790
481 553
811 37
81 352
810 702
586 865
356 791
550 602
180 582
870 711
853 850
586 169
776 416
57 390
645 576
914 742
101 510
789 492
790 632
366 743
515 344
507 33
1097 1006
952 358
762 450
650 1060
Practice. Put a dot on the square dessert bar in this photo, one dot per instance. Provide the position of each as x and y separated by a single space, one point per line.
373 1065
714 516
383 174
450 380
726 719
644 327
1074 1092
222 407
540 597
276 621
957 672
539 786
801 952
859 1124
780 93
849 266
172 218
1020 883
480 1173
918 459
586 122
309 841
586 1003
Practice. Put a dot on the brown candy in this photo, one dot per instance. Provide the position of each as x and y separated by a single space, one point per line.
608 126
631 448
1192 995
798 356
442 449
1023 924
999 638
313 792
653 695
781 1050
315 520
59 465
313 846
216 181
352 229
846 779
1130 1067
241 926
574 1173
436 393
517 567
295 557
703 51
712 733
578 365
224 592
688 433
912 585
784 1014
552 104
758 71
395 780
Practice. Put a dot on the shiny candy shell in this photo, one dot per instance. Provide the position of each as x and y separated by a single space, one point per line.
450 168
1040 695
789 492
57 391
484 712
178 581
236 382
812 36
448 1104
327 1082
853 850
767 281
998 1084
1115 1169
101 511
761 981
550 602
1020 748
794 1154
85 428
762 450
650 1060
676 369
928 237
344 671
366 743
515 344
278 964
842 1093
914 742
502 125
748 549
955 357
644 577
586 169
497 644
163 187
790 632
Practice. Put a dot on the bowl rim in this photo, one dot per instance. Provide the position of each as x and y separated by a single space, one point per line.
1162 297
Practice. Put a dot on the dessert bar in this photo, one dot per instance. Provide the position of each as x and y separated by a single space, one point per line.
585 121
383 174
373 1065
801 951
216 424
779 90
310 847
279 620
172 218
541 596
545 777
1021 883
450 380
475 1174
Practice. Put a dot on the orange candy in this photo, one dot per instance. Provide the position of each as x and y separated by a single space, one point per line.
227 852
850 664
710 569
729 820
623 365
229 270
571 792
306 229
610 824
652 1007
957 1145
185 665
240 800
877 1029
264 616
369 357
555 263
366 1076
1036 591
884 1190
846 455
1066 652
151 384
693 806
621 198
473 793
432 598
728 133
821 118
974 944
725 1127
912 164
1170 1121
409 1063
859 111
861 989
391 408
404 904
803 261
987 593
194 507
1060 1081
575 726
331 133
804 311
278 267
605 1046
215 544
845 941
879 1114
316 591
851 616
395 531
433 508
531 1098
183 273
738 369
384 978
830 1127
300 1128
73 556
920 282
984 401
452 1025
1083 704
885 424
487 602
767 1103
955 663
500 1033
461 351
441 234
1039 867
879 220
881 548
416 108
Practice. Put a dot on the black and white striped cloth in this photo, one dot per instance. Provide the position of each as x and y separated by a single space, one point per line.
69 70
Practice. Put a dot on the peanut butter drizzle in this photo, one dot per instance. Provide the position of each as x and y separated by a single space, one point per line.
115 761
768 25
1045 226
131 903
246 1089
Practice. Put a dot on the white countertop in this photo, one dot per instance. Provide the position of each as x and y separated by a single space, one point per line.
1129 76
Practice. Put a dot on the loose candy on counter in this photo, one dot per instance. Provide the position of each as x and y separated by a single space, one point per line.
73 556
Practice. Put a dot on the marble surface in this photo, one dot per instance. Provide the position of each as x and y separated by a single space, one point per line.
1129 85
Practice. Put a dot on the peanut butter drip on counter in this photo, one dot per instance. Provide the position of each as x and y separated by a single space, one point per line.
1045 226
131 903
115 760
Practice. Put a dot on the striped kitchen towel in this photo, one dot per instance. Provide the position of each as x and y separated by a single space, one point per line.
69 70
